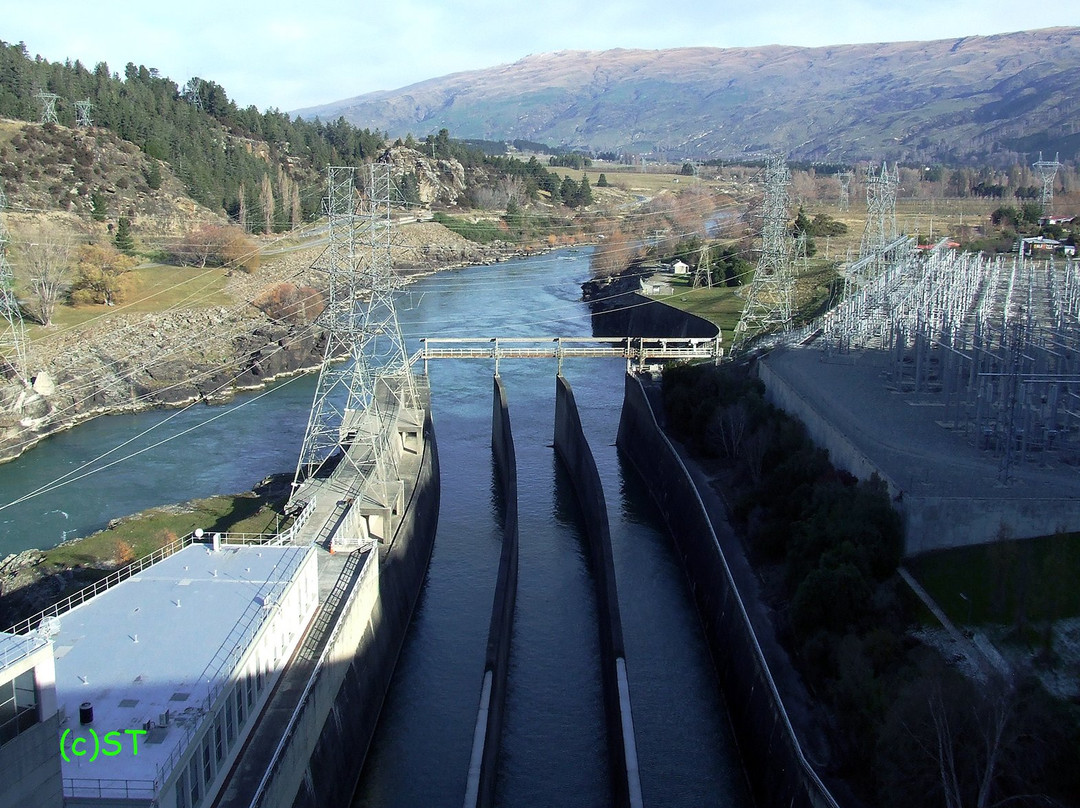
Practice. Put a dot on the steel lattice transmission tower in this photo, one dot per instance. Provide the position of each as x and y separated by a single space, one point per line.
769 300
48 106
12 331
1047 171
880 227
82 114
365 373
845 178
703 273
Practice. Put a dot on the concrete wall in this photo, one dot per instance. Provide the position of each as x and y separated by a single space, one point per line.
31 767
343 707
778 769
483 767
634 315
575 454
930 522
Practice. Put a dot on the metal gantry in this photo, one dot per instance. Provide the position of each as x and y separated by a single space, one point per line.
995 339
768 305
12 330
365 381
880 227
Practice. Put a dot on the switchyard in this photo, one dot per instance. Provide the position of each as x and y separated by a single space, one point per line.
955 377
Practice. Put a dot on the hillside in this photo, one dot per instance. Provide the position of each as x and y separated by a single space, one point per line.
977 99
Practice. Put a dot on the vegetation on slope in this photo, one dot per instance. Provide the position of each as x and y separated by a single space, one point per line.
906 728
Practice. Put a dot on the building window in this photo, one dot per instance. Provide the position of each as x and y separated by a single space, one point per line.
239 693
207 761
230 723
18 705
183 794
219 741
193 781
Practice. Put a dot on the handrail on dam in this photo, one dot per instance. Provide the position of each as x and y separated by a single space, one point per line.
639 350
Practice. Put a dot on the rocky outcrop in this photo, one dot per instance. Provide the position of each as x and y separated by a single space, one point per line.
437 180
147 361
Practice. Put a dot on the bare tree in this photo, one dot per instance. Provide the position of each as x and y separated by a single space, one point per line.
46 257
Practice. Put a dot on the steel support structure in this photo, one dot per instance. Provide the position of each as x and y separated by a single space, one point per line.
1047 171
12 331
768 304
48 106
364 380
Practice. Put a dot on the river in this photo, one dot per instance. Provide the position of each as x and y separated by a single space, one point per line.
554 750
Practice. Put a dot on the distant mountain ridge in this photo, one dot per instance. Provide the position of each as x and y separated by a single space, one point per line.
994 98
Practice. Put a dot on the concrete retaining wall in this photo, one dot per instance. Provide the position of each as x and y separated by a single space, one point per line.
930 522
634 315
575 454
329 778
779 771
483 766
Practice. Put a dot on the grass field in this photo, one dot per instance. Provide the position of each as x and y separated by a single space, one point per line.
994 583
156 288
139 535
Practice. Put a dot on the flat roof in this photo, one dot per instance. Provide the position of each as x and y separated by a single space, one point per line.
162 640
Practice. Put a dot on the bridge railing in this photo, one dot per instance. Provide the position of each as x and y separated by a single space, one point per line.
629 348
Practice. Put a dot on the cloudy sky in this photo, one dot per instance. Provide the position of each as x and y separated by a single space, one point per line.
296 54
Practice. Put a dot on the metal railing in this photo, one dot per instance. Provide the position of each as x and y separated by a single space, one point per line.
90 788
13 649
230 652
96 588
275 761
112 579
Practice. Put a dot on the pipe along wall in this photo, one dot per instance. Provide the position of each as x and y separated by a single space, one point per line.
778 769
483 765
573 450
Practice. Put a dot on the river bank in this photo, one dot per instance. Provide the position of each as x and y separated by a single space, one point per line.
129 363
32 580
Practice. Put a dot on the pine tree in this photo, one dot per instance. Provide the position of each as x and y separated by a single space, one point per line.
584 191
123 240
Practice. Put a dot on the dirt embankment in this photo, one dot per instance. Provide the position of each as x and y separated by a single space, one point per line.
130 362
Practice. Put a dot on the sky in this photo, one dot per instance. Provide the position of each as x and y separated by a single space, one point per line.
291 55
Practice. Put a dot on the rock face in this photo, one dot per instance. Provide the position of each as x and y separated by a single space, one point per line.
149 361
437 180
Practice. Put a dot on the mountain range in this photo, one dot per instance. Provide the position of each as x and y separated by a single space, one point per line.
993 99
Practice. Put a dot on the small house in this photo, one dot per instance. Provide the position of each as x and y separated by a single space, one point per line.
680 267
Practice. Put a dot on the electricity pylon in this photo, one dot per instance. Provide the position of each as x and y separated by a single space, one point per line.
1047 171
845 178
48 106
365 370
82 114
769 300
12 331
880 229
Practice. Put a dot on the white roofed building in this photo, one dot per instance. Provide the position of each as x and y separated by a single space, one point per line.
163 674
